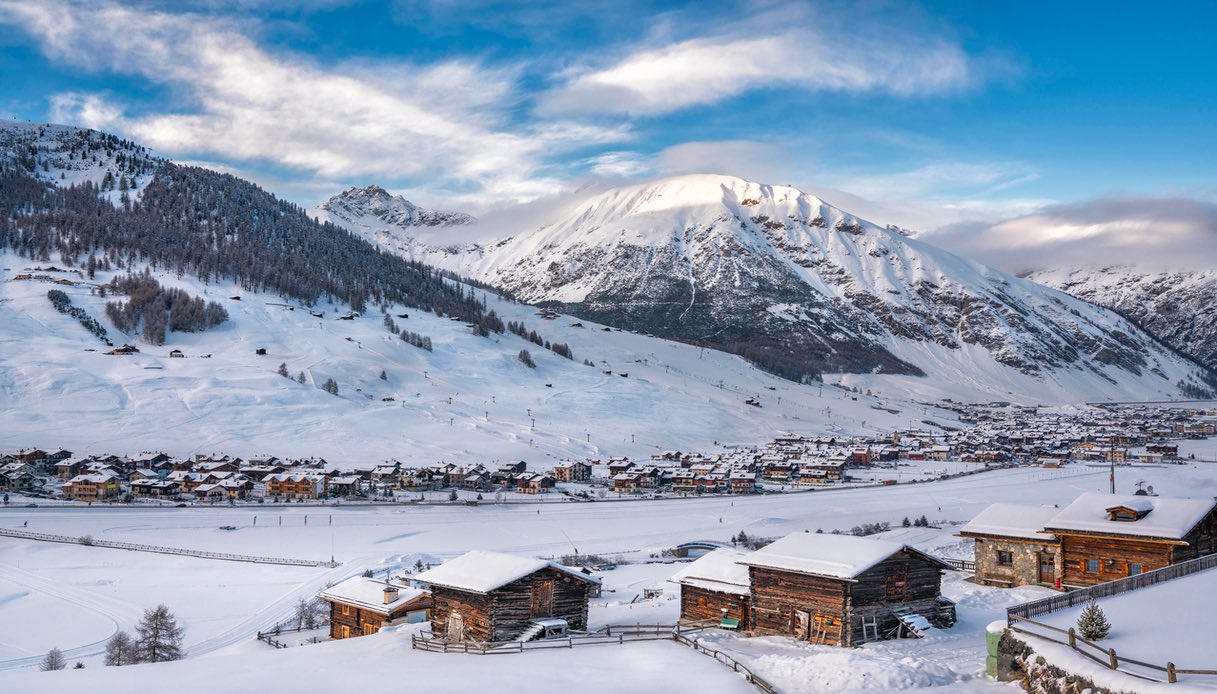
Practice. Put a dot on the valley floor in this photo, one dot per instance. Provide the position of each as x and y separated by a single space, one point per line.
74 596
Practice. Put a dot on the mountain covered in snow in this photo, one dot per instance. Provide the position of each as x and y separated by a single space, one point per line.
804 289
1179 308
389 221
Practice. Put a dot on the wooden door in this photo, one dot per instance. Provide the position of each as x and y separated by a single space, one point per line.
456 627
543 598
344 632
802 624
1047 568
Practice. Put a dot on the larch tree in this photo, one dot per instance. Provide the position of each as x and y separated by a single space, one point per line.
53 660
158 637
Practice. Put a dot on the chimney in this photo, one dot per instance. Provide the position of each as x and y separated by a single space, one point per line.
390 594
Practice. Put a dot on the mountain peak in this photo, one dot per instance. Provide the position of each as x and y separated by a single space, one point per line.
373 204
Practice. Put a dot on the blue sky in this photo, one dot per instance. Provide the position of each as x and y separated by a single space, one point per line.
929 115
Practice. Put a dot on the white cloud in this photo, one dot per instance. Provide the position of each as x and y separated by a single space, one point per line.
446 122
1150 233
705 70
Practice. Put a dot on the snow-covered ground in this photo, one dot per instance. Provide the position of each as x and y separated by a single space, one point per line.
1165 623
93 591
470 400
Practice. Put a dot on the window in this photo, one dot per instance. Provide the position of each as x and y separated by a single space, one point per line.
1005 558
1134 569
1092 566
346 609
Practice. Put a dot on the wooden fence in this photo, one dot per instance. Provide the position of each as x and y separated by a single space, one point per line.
1107 657
1036 608
960 564
93 542
615 633
269 635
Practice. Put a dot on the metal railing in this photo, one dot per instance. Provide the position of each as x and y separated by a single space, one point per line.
93 542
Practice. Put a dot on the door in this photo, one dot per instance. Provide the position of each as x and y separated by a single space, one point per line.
1047 568
543 598
456 627
802 624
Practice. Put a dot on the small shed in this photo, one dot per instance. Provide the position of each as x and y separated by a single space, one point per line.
488 596
844 590
362 605
716 588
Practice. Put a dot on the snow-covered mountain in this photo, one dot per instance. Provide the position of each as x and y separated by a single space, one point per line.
1179 308
67 156
389 221
804 288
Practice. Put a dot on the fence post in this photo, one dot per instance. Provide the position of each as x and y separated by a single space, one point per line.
1073 639
1170 673
1111 655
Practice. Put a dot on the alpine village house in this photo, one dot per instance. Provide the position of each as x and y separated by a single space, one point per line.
838 590
1097 538
487 596
361 605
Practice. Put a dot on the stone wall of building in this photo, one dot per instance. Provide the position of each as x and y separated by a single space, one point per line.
1025 566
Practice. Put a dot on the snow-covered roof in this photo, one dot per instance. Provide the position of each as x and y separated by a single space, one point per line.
482 571
1012 520
369 594
719 570
837 556
1168 518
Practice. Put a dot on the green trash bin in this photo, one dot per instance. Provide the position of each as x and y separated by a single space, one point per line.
993 634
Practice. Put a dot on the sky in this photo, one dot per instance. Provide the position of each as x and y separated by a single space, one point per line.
988 126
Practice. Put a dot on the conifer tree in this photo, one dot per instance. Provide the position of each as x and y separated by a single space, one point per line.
1092 623
120 650
158 637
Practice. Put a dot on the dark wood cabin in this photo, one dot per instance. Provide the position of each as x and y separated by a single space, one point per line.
843 590
715 589
487 596
1105 537
1011 547
360 606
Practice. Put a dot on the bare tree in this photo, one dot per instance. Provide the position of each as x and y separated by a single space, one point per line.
120 650
53 660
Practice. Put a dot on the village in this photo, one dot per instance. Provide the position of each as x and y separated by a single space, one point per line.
997 435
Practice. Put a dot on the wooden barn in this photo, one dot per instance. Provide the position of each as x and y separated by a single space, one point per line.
361 606
1107 536
715 588
488 596
843 590
1011 546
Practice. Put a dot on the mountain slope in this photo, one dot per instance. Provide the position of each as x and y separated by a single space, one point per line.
1179 308
804 288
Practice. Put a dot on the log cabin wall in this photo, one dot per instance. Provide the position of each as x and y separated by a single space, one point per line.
778 595
353 618
512 606
1113 554
1201 541
904 580
504 613
699 603
474 609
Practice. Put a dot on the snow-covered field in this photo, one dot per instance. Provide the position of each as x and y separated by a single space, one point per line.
1183 613
470 400
92 591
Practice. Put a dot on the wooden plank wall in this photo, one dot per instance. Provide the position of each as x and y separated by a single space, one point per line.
700 603
503 613
1076 549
